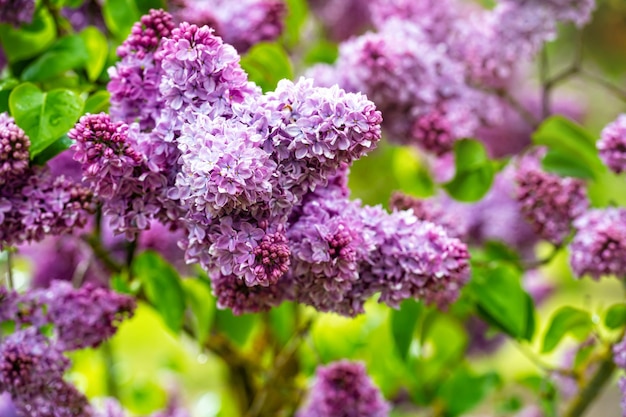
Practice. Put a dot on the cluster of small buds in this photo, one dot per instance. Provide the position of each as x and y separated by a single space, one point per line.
549 202
612 144
17 12
599 246
344 388
14 145
146 34
133 194
241 24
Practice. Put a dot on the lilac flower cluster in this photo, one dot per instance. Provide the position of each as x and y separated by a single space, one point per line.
599 246
241 24
341 19
32 364
612 144
17 12
120 175
135 79
430 63
549 202
344 389
34 203
31 371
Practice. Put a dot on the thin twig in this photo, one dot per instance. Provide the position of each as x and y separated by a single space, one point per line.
10 283
610 87
537 361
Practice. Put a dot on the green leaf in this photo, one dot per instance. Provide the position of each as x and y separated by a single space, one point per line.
572 150
120 16
464 390
30 40
98 102
283 321
236 328
615 317
403 322
266 64
474 171
296 17
202 305
566 320
45 117
502 301
162 287
6 86
97 51
58 146
67 53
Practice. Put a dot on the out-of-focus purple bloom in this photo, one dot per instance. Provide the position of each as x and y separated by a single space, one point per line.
344 389
83 317
7 408
599 246
241 23
530 411
342 19
612 144
64 164
31 371
17 12
622 387
549 202
110 408
87 14
619 354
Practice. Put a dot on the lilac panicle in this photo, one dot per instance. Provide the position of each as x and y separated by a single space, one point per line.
133 194
14 150
7 407
549 202
344 389
135 79
612 144
17 12
599 246
31 371
84 317
232 292
241 23
342 19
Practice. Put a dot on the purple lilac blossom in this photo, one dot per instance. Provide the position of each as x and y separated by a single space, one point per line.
342 19
83 317
17 12
133 194
31 371
599 246
135 79
548 202
87 14
619 354
241 23
612 144
344 389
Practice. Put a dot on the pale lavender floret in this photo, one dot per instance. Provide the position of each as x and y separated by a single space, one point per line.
599 246
619 354
7 408
612 144
17 12
31 371
14 150
549 202
241 24
344 389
